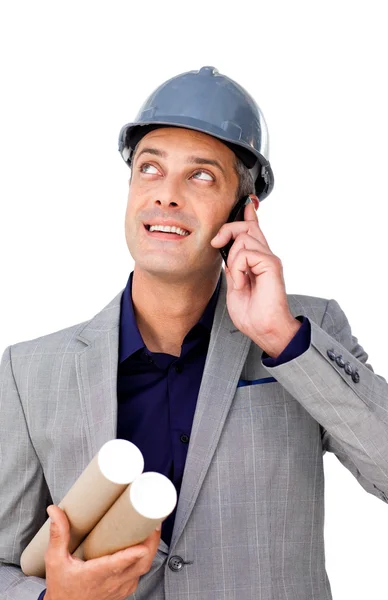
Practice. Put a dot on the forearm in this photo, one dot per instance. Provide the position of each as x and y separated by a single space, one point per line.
353 409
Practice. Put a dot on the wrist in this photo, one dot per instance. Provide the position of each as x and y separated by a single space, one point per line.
278 339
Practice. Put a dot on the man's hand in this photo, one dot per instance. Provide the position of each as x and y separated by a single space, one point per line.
256 296
107 578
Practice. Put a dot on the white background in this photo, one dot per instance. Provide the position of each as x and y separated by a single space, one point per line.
72 73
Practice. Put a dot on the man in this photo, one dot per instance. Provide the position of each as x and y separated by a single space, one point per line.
228 385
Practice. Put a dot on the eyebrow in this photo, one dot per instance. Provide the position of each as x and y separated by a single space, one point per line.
154 151
196 160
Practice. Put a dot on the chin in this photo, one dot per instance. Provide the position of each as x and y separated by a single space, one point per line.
171 270
173 265
162 266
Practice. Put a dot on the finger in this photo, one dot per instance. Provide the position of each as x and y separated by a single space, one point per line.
151 546
59 532
237 275
245 261
229 280
238 280
255 201
129 557
250 213
247 242
152 542
230 231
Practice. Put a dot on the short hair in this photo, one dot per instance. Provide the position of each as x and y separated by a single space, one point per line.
245 185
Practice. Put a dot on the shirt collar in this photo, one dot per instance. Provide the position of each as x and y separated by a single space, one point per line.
130 337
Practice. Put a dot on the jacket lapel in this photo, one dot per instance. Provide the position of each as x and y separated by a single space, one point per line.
228 349
97 367
97 375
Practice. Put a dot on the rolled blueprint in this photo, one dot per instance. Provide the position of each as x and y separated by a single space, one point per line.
116 465
132 518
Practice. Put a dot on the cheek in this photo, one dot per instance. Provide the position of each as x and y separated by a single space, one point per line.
133 207
216 216
143 187
210 218
130 221
128 216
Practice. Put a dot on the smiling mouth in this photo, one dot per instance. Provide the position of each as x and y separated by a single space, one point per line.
170 230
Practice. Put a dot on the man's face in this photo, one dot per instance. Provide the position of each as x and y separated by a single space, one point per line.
183 179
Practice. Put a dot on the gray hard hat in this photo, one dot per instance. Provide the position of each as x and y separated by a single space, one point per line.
212 103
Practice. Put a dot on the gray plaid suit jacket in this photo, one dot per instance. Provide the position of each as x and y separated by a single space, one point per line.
249 523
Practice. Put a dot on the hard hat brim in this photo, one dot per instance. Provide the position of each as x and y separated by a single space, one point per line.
249 155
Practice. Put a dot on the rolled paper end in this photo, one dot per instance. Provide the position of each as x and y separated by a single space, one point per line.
120 461
147 501
35 568
23 565
32 558
153 496
115 466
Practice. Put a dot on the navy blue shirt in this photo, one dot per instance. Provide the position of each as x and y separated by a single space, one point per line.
157 393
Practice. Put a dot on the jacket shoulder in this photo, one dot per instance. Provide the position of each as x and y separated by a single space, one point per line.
69 339
56 341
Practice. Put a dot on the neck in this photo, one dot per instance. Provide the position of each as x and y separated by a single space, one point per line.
166 311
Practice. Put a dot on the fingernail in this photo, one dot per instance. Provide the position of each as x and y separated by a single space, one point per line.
49 514
248 201
158 528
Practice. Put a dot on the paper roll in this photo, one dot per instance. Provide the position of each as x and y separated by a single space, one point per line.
116 465
132 518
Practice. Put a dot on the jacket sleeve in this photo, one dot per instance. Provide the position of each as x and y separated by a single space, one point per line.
334 383
23 491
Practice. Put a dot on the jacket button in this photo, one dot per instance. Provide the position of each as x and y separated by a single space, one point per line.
331 354
356 376
176 563
340 361
348 368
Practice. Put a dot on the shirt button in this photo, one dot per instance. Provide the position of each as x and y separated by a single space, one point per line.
148 357
178 368
176 563
184 438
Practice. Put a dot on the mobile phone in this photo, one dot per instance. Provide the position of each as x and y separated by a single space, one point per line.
236 214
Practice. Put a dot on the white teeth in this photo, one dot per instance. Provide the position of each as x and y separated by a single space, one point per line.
169 229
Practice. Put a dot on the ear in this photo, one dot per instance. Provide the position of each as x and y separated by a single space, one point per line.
255 200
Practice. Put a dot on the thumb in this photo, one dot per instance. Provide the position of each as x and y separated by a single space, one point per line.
59 531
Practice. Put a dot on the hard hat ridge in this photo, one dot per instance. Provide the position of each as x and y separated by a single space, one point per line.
211 103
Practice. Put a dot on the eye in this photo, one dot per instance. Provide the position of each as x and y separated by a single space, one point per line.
147 168
207 177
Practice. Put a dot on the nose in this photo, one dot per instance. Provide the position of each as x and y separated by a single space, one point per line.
164 203
170 194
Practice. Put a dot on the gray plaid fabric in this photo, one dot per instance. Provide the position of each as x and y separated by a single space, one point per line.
249 523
